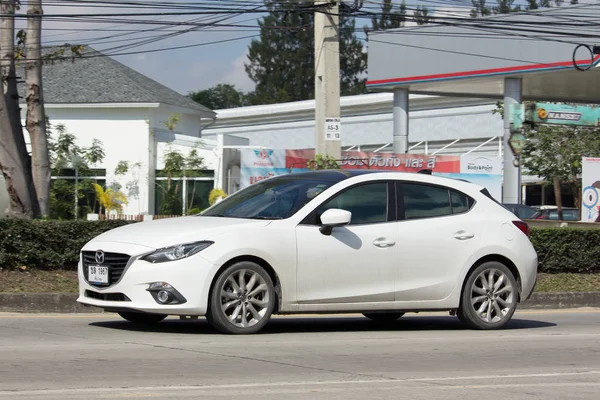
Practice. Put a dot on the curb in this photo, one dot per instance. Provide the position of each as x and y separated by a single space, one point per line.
561 300
43 303
66 302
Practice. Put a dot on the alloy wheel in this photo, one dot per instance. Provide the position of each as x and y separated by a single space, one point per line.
492 295
245 298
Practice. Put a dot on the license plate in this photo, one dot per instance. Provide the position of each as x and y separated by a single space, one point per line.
97 274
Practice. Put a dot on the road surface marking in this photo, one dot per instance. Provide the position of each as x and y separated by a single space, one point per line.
140 390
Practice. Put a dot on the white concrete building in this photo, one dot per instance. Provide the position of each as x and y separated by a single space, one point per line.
96 97
124 109
440 125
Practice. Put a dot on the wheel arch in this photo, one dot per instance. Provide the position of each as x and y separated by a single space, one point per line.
498 258
257 260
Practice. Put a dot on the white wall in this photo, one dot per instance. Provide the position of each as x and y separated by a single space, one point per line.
187 135
125 135
441 123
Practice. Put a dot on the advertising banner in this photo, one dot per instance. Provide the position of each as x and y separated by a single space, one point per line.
590 186
297 160
485 171
475 164
260 164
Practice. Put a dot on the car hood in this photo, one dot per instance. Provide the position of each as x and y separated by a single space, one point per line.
171 231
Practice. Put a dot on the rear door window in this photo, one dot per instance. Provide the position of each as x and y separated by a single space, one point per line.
429 201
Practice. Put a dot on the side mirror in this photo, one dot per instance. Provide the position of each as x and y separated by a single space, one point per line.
333 218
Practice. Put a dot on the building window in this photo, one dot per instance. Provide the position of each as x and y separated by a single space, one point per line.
182 195
68 183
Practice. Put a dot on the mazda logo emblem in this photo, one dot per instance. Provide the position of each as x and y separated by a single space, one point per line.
100 257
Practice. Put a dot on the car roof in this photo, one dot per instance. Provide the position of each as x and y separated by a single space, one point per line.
338 175
326 174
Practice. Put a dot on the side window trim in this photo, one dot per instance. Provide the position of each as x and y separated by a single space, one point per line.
400 215
311 219
392 198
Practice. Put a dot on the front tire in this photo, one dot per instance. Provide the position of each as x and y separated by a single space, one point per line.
489 298
242 299
384 317
142 318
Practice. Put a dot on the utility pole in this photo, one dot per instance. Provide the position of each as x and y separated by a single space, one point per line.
327 79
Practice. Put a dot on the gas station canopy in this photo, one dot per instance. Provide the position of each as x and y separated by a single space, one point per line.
472 57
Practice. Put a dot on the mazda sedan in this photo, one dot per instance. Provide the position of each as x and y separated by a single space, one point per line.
377 243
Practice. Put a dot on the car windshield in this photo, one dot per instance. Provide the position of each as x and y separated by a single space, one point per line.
275 198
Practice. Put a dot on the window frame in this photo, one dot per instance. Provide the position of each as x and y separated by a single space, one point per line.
392 206
401 210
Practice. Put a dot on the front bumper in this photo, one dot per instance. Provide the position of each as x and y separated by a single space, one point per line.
191 277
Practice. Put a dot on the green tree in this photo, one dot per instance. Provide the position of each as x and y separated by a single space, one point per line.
281 61
388 18
110 199
554 153
506 7
220 97
27 176
422 16
321 162
177 168
65 156
481 8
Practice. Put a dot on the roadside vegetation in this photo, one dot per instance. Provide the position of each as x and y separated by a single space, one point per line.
42 256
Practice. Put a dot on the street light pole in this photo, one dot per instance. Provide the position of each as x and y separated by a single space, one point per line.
327 79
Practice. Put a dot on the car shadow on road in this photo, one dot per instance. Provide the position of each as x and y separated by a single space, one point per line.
318 324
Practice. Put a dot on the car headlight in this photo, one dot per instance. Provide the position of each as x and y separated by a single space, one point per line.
176 252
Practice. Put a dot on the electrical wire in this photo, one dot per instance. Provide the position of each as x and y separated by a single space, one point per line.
210 11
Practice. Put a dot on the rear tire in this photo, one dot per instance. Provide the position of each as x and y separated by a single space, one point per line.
242 299
142 318
489 298
384 317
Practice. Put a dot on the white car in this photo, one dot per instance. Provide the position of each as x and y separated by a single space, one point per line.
376 243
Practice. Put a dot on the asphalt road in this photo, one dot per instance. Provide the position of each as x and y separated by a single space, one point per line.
541 355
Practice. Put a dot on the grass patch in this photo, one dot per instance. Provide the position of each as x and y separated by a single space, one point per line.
38 281
568 283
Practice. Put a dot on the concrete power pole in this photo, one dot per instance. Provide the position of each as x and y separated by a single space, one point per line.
327 79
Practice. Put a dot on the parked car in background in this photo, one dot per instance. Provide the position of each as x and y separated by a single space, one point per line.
520 210
569 214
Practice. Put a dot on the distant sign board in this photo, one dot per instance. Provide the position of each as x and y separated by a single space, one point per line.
333 129
553 114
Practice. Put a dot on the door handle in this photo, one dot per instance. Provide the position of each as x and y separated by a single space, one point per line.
383 242
464 235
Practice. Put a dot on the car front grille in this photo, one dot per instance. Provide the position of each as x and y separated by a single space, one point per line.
106 296
115 261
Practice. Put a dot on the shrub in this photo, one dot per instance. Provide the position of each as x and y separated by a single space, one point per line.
56 244
215 194
567 249
47 244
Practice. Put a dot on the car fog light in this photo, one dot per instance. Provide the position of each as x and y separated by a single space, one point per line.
163 296
160 285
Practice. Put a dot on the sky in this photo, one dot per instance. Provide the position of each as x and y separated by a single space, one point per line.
187 69
184 70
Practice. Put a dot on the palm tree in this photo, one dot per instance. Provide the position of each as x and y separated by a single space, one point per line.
110 199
